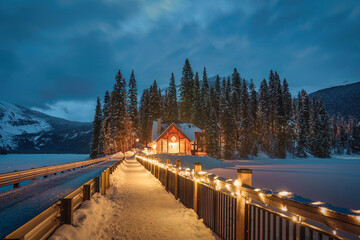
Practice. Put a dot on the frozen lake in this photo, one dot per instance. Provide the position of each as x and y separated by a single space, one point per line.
12 162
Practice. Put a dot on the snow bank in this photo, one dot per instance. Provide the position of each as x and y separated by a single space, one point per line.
136 207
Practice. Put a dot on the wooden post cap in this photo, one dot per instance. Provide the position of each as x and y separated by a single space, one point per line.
178 163
244 170
197 167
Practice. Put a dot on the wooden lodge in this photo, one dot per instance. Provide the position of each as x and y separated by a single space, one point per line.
175 138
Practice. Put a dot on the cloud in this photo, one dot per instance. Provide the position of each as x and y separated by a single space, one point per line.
62 50
82 111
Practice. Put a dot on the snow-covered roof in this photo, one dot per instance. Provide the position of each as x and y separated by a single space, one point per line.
188 129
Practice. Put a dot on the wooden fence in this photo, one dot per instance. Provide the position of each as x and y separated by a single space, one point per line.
20 176
235 210
44 224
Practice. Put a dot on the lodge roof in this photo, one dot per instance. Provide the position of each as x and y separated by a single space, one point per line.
188 129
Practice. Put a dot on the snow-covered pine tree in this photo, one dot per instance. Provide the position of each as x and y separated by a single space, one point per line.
264 116
235 104
302 124
245 147
133 103
205 95
104 146
227 121
186 92
173 105
253 107
96 130
145 118
120 119
165 106
197 116
280 120
217 99
287 103
212 139
155 102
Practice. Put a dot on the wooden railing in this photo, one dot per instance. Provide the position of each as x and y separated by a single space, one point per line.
44 224
235 210
25 175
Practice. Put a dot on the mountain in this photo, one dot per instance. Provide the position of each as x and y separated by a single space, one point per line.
27 131
344 99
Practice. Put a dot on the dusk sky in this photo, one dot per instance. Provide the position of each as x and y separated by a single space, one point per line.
58 56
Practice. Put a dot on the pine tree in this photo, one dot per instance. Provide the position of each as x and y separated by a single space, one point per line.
264 116
235 105
245 147
205 95
212 140
133 104
103 142
173 105
253 119
217 99
96 130
155 101
302 124
227 121
186 92
165 106
145 118
120 119
197 116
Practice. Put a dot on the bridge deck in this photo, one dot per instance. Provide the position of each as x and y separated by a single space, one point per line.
136 206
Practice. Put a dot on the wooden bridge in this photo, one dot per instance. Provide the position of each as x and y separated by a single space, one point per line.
231 209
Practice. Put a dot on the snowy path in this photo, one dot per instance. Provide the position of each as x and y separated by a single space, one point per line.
136 206
19 205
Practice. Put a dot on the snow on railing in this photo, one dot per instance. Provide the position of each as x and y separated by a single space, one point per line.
235 210
45 223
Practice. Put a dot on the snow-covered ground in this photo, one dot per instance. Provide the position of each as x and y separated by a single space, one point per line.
12 162
333 180
17 206
136 206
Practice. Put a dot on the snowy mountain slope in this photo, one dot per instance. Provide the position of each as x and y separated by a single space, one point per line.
26 131
343 99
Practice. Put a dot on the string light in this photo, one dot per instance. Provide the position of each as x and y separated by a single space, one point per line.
317 203
257 189
323 210
284 209
236 183
334 232
283 193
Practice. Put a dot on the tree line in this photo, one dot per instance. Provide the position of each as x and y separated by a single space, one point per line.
116 122
237 119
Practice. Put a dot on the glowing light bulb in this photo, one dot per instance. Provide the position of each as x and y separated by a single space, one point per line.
323 210
334 232
284 208
236 183
283 193
257 189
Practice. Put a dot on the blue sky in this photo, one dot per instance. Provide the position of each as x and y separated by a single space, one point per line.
57 56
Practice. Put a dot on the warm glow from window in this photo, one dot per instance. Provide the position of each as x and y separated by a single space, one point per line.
174 147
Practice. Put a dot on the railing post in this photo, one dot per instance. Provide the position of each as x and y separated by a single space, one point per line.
107 178
103 183
86 192
197 168
67 210
158 176
244 176
178 166
97 184
166 174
